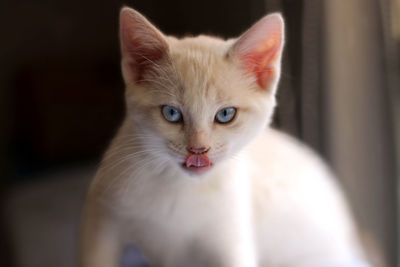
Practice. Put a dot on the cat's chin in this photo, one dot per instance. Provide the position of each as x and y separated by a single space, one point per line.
197 170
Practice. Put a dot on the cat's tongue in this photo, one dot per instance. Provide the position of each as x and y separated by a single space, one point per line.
197 161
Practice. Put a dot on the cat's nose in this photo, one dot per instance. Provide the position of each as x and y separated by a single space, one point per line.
198 150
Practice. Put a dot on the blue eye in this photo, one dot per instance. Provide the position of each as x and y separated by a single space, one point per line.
171 114
225 115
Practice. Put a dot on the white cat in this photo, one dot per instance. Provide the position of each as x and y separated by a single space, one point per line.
195 177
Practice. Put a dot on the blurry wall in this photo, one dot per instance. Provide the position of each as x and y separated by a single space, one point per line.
360 118
61 87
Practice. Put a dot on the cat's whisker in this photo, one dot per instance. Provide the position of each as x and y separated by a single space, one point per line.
128 150
132 169
143 167
113 163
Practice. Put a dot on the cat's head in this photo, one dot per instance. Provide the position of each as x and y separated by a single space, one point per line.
199 100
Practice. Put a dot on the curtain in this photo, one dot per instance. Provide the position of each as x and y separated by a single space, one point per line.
338 94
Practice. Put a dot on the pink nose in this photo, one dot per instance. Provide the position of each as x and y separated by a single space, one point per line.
198 150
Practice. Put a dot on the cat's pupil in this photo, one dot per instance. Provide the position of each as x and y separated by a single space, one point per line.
171 114
225 115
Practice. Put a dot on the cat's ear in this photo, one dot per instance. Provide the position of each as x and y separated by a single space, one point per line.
142 45
259 50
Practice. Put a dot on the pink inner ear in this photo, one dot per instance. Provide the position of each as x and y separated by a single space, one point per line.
260 47
259 61
142 58
142 44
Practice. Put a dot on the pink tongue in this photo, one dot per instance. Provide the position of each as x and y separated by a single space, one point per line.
197 161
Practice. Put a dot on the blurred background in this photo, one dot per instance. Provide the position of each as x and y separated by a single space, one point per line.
61 100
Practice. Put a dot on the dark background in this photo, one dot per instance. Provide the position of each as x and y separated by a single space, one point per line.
63 94
61 91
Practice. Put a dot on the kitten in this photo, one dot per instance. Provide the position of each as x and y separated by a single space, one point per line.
195 177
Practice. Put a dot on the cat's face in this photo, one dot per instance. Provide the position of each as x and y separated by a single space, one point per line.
199 100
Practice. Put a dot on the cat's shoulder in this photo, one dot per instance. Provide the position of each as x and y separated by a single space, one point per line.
283 143
281 163
275 148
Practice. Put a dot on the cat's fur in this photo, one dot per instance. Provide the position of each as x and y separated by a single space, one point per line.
266 201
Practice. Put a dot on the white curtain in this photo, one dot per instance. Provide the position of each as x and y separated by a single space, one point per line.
360 136
339 93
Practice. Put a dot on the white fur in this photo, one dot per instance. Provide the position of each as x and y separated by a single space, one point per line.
274 204
267 201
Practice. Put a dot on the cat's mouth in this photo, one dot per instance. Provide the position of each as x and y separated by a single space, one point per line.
197 163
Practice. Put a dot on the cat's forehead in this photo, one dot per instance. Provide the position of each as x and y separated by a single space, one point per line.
199 77
201 64
201 43
201 52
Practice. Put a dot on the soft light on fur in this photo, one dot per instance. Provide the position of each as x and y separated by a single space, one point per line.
266 201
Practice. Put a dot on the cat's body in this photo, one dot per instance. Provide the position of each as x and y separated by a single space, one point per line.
200 192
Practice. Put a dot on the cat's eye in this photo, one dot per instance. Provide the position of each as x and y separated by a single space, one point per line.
171 113
225 115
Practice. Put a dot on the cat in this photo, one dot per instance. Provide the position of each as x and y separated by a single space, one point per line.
196 176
